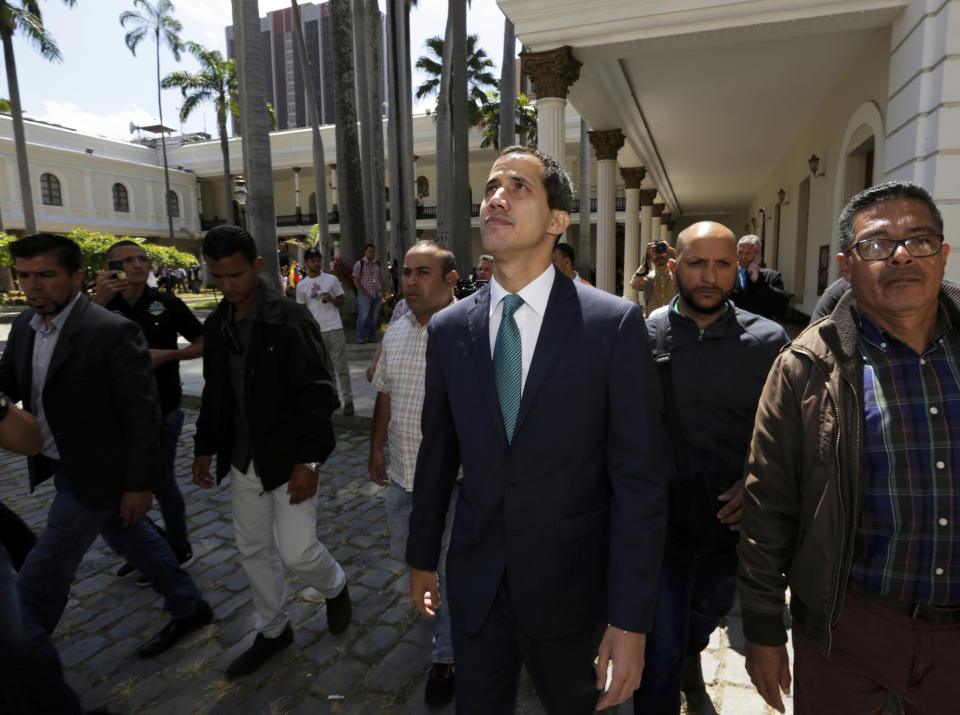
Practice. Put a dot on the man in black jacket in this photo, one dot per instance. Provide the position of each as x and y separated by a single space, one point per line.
265 413
759 290
67 357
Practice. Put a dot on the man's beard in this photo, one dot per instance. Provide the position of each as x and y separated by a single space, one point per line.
696 303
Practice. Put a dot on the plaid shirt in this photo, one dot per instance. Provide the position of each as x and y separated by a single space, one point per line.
907 540
400 374
370 276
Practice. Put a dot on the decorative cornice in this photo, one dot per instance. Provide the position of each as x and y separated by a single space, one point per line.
647 196
552 71
633 176
606 143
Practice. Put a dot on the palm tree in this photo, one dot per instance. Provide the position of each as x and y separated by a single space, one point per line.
215 82
26 17
158 19
255 140
479 77
524 122
374 45
403 207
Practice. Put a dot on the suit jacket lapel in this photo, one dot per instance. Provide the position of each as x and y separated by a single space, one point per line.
64 348
478 324
559 316
23 362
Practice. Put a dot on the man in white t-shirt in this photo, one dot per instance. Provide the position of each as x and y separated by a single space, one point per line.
323 295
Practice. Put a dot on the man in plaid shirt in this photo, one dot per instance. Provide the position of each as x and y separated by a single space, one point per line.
429 277
368 280
853 480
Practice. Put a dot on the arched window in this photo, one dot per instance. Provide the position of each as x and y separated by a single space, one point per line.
173 204
121 201
50 190
423 186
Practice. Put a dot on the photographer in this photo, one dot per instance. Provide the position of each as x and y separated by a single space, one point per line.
656 286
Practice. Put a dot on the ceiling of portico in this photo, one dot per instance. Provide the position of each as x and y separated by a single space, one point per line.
709 105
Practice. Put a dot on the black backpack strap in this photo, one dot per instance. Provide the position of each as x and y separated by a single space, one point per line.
661 357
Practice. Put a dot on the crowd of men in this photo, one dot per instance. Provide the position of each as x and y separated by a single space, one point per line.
579 485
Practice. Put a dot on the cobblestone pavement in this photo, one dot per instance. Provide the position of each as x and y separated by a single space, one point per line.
378 666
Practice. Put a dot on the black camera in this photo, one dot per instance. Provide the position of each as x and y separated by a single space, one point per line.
660 247
468 286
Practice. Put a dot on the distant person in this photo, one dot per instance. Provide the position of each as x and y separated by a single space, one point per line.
369 282
164 319
484 268
758 290
564 261
429 277
66 354
265 413
655 285
323 296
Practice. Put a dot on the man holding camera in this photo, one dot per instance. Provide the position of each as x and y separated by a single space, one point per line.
656 285
712 359
122 288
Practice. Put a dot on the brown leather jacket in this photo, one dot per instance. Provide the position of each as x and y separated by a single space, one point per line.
803 480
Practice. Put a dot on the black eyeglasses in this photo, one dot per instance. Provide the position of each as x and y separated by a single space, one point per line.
880 249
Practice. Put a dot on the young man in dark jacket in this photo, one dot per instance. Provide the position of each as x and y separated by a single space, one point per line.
265 413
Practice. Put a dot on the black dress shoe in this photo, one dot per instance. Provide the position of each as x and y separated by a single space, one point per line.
175 630
254 656
440 685
339 611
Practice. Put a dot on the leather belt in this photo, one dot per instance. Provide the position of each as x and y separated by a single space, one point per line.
922 612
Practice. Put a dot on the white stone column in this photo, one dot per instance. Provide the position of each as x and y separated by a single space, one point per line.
665 226
656 210
552 72
606 143
296 192
550 127
632 178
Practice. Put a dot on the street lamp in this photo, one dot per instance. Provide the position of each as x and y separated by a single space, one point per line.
240 195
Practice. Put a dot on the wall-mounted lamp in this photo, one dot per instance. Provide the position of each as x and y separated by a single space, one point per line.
814 163
782 196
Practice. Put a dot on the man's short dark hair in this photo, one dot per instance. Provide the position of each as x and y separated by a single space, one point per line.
566 250
369 245
555 178
64 250
887 191
118 244
448 262
223 241
310 253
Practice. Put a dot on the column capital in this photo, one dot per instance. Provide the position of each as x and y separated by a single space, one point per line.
647 196
296 169
670 224
553 72
633 176
665 216
658 209
606 143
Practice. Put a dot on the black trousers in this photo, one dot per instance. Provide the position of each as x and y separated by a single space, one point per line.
15 536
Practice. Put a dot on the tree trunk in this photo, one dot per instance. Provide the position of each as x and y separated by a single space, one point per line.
584 242
319 165
163 148
257 165
353 231
403 209
508 86
374 44
460 223
225 150
444 142
524 90
362 78
19 137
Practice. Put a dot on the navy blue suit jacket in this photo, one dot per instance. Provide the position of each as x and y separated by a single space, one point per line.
573 511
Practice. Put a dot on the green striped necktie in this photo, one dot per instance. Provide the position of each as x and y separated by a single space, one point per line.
508 364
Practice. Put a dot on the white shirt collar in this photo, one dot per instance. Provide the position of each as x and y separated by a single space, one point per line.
535 294
38 323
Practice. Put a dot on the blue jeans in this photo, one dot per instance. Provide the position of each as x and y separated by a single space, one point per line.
167 491
368 310
71 527
399 506
31 677
697 588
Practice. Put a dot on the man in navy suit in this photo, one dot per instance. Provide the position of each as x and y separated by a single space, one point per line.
545 390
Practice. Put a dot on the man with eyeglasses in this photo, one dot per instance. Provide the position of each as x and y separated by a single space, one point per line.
852 493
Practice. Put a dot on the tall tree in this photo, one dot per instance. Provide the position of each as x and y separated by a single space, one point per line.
353 229
444 141
255 140
156 18
478 66
403 207
374 44
216 82
24 16
319 163
508 85
524 122
462 109
362 79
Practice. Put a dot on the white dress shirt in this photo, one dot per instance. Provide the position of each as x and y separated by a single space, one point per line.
529 316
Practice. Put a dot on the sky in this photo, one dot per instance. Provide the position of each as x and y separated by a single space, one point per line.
100 87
